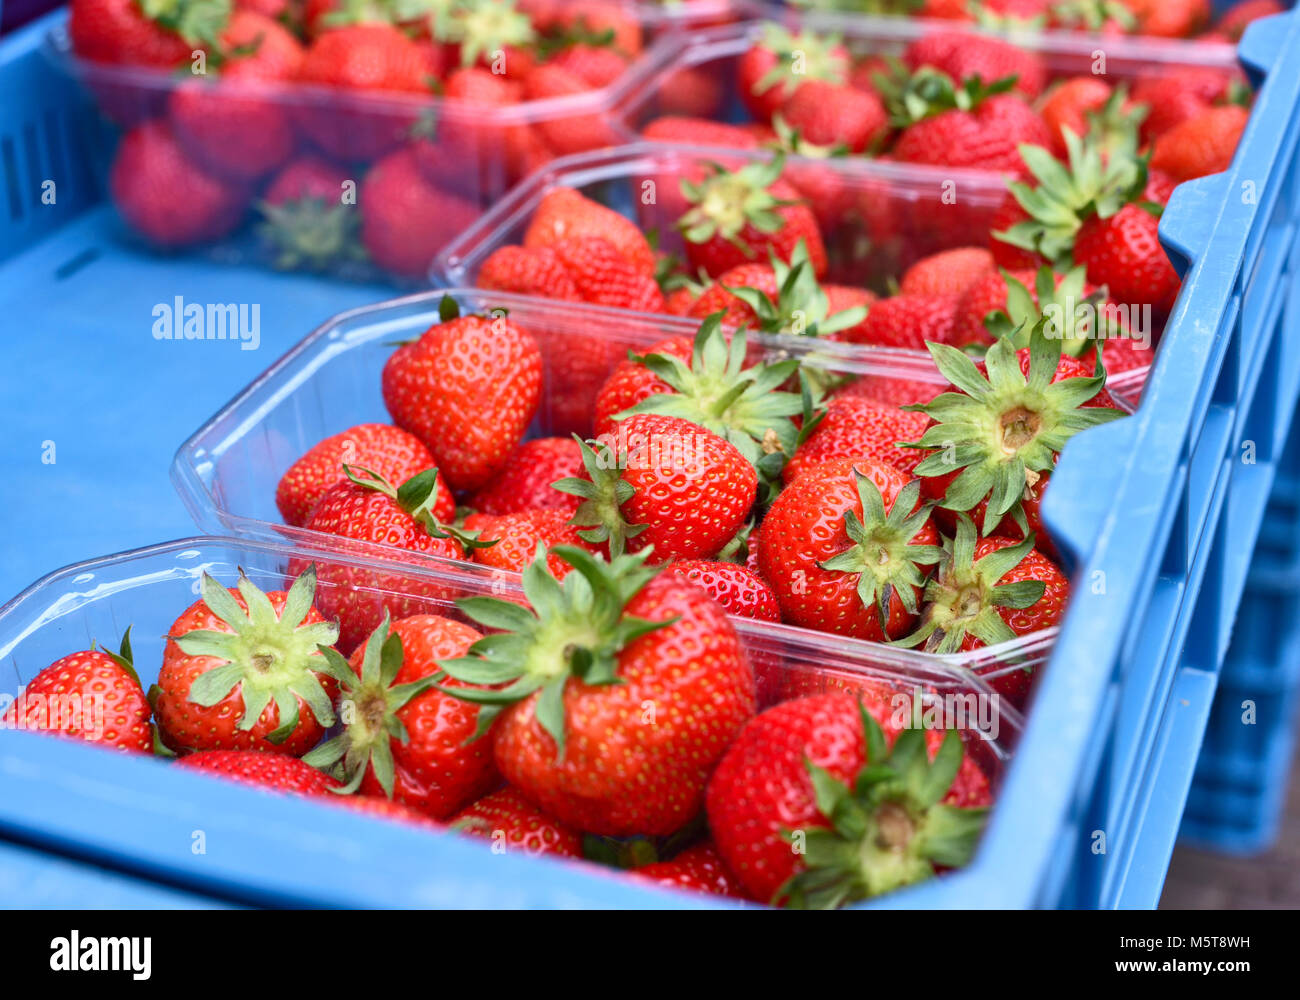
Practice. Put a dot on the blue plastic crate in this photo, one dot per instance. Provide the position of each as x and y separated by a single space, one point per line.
1160 543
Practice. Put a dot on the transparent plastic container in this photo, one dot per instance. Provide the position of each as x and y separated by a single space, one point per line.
473 155
143 814
226 473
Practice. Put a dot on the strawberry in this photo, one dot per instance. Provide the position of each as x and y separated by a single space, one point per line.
565 214
123 33
683 131
736 216
596 65
1173 96
844 546
492 34
697 869
91 695
990 591
783 298
819 774
237 125
468 388
527 271
165 196
277 772
405 220
606 652
780 63
815 175
1170 18
525 481
308 220
666 483
987 295
362 58
907 321
607 20
1004 428
890 390
1233 22
706 383
511 822
738 589
604 277
575 132
517 536
384 808
962 55
242 671
949 272
367 508
859 427
1201 145
391 452
459 145
406 738
832 114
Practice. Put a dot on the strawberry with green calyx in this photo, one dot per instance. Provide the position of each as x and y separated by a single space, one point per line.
405 738
735 216
1107 16
421 497
1004 427
276 772
666 484
986 592
1064 305
579 679
912 97
1090 183
243 670
482 28
780 61
715 390
306 223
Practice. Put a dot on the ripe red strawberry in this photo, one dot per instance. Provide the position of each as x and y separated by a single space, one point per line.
371 57
1023 407
236 124
779 63
860 427
468 388
831 114
739 590
390 451
697 869
891 390
603 19
309 219
1068 105
738 216
511 822
405 220
1173 96
962 55
970 126
525 483
1201 145
241 671
596 65
949 272
527 271
575 132
680 301
367 508
495 35
277 772
403 736
119 31
390 809
168 198
663 482
621 696
632 381
604 277
91 695
517 536
1123 252
698 132
565 214
990 591
1170 18
811 808
844 547
907 321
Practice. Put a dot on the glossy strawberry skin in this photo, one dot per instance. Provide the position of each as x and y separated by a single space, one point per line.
630 382
860 427
988 294
605 277
117 31
468 389
85 695
698 132
963 54
1201 145
949 272
829 114
1066 106
762 787
508 818
565 214
697 869
804 527
1174 96
987 137
1047 611
619 775
518 534
439 767
525 483
907 321
278 772
390 451
717 255
754 65
185 725
1123 252
385 808
740 590
528 271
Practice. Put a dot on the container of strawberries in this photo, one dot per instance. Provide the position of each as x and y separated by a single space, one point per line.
333 135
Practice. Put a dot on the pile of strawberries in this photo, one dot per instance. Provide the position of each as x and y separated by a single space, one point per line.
378 127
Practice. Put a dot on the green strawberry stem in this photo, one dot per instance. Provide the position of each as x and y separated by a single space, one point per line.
576 629
911 97
817 54
603 494
963 597
311 233
889 828
1066 314
265 656
801 307
124 658
417 496
727 201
